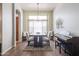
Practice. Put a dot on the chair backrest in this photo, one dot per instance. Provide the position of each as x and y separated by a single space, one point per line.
24 34
27 35
50 33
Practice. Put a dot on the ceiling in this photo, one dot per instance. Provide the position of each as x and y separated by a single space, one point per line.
37 6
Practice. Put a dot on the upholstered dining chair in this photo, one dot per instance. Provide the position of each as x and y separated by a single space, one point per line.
30 40
24 36
46 40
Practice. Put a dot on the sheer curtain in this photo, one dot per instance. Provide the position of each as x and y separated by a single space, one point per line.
37 25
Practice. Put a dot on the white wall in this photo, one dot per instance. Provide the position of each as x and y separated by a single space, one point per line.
6 26
69 13
0 23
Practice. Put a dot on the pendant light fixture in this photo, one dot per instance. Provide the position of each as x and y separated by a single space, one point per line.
38 16
37 11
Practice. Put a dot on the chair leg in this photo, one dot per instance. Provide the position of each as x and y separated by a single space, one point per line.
28 43
59 48
55 44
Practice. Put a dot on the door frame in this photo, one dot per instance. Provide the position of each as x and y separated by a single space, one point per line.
19 26
14 27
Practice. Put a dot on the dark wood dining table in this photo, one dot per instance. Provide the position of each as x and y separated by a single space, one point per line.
38 41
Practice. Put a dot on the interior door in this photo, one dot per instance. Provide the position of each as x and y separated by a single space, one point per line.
17 28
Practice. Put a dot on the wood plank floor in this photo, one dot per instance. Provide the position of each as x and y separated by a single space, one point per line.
18 51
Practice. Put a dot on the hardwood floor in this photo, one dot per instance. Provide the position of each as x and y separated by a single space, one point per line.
18 51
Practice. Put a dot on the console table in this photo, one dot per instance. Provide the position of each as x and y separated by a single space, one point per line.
61 41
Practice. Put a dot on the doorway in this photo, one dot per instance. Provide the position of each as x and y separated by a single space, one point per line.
17 28
17 25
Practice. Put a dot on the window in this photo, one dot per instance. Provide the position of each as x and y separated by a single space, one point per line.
37 17
37 25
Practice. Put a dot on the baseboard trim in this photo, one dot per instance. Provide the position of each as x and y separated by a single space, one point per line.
6 50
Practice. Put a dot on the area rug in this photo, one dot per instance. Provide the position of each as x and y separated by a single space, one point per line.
30 48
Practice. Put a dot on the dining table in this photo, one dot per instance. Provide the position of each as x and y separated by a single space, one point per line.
38 41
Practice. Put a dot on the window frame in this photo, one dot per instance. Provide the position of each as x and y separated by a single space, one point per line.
42 25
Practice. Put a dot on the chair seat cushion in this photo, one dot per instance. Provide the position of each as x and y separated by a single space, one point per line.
45 38
45 43
31 43
30 39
